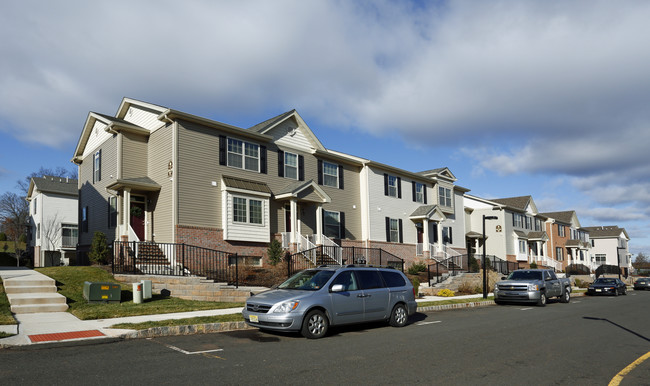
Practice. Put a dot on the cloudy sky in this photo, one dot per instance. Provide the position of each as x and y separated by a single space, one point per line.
547 98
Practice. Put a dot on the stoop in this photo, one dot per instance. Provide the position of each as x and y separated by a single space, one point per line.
34 293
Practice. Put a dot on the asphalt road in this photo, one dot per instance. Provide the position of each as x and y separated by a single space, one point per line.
586 342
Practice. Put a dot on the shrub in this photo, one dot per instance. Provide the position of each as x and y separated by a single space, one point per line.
3 236
416 285
473 265
581 283
446 293
469 288
275 252
98 253
533 265
417 268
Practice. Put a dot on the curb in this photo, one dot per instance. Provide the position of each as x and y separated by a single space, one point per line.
186 330
456 306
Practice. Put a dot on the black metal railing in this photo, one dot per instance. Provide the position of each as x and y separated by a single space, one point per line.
577 269
323 255
172 259
609 269
471 263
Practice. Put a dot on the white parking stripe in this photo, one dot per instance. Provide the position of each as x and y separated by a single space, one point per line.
526 309
189 352
425 323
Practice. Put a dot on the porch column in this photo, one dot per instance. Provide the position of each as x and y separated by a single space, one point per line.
126 215
440 235
293 205
319 224
425 238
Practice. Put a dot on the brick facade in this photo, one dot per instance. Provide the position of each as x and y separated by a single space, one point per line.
212 238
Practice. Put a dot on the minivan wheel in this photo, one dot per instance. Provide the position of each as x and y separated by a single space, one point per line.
399 316
315 325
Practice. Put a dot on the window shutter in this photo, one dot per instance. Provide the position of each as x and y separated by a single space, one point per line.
342 225
425 193
301 168
414 188
340 177
109 212
401 238
451 239
320 172
388 229
435 232
280 163
263 159
514 222
399 187
99 174
222 150
385 184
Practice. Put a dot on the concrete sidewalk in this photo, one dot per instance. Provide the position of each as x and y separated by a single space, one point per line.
47 327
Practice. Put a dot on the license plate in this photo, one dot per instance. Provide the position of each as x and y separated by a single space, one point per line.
253 319
598 290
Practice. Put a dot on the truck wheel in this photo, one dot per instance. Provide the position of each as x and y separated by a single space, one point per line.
567 295
315 325
542 300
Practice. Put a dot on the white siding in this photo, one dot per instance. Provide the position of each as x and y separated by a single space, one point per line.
143 117
96 138
282 136
246 232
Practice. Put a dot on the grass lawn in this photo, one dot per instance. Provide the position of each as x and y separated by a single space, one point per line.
70 282
182 322
5 312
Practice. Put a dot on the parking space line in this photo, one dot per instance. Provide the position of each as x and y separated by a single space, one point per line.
526 309
425 323
191 352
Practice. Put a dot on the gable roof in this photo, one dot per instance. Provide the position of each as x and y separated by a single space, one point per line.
608 231
566 217
443 172
296 188
519 203
51 184
428 212
268 125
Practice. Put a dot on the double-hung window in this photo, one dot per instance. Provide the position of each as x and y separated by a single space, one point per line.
247 210
560 230
69 235
332 222
243 155
522 247
394 230
291 165
444 196
97 166
330 174
559 253
419 192
392 186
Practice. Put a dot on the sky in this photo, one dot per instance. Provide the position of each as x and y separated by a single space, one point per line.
543 98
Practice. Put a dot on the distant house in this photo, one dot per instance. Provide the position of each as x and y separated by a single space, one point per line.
569 243
609 245
53 220
151 173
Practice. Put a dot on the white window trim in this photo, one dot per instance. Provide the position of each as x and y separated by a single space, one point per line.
338 215
392 188
419 192
242 154
442 196
396 230
336 176
286 165
97 162
248 211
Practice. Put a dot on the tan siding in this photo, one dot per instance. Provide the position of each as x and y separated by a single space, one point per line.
160 154
94 195
134 156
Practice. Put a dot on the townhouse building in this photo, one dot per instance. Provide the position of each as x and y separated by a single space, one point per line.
518 232
53 220
609 246
151 173
568 241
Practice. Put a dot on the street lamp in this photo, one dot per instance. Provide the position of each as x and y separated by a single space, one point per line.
618 261
485 291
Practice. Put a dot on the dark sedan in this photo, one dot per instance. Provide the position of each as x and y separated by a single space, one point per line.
642 283
607 286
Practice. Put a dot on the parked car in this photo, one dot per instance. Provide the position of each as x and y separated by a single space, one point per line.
642 283
314 299
607 286
532 286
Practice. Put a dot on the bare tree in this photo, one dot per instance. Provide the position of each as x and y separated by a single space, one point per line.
50 235
14 214
58 171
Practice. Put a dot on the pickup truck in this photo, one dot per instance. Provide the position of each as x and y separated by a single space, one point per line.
532 286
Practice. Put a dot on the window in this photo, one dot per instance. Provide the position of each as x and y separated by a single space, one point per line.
330 174
347 280
245 210
243 155
332 222
419 193
392 279
446 235
245 260
529 222
559 254
538 224
35 204
291 165
522 247
112 211
97 166
84 219
518 220
601 259
560 230
444 196
369 279
38 231
393 230
69 235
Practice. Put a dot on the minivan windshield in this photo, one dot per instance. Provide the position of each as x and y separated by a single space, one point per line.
310 280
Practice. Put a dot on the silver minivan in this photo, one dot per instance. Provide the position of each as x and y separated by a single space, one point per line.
312 300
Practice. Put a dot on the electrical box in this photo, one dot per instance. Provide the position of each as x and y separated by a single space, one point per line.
146 289
102 292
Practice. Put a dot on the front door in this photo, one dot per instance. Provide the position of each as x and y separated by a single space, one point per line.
137 219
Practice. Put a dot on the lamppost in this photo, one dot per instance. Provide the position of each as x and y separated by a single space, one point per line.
485 291
618 261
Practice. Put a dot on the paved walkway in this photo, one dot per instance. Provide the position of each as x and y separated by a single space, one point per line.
63 326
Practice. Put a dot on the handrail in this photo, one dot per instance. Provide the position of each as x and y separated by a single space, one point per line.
307 248
334 249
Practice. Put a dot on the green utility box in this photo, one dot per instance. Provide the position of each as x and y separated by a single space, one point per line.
102 292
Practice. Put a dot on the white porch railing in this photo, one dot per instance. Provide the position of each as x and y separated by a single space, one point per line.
286 239
333 250
546 261
307 248
419 249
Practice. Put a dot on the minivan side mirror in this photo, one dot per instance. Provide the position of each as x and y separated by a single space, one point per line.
337 288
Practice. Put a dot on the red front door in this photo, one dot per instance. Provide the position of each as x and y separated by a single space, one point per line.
137 219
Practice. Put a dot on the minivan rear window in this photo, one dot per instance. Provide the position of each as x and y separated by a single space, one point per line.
393 279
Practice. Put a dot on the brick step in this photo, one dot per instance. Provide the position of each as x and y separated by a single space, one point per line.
23 289
34 308
36 298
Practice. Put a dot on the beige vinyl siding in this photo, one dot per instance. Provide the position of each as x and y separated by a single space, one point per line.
134 155
160 154
94 195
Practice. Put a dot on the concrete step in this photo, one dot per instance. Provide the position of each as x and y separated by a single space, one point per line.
29 282
34 308
34 299
30 289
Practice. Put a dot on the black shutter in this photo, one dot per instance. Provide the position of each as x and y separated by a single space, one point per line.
385 184
399 187
340 177
301 168
263 159
109 212
435 232
451 240
99 173
388 229
513 220
342 225
414 186
401 238
424 188
280 163
320 172
222 150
